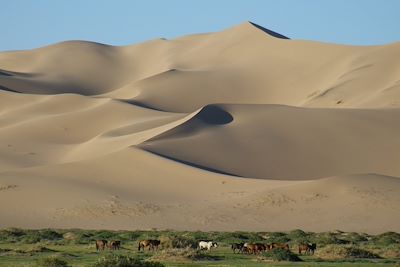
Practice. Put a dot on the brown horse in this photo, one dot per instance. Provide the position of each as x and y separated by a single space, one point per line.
101 244
308 248
255 248
148 243
303 247
280 245
114 245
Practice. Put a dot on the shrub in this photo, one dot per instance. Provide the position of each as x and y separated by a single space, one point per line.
104 235
299 236
281 255
354 238
344 252
130 236
177 242
322 239
182 255
389 252
386 239
35 236
52 262
277 237
124 261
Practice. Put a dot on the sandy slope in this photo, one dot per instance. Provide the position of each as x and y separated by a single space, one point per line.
173 133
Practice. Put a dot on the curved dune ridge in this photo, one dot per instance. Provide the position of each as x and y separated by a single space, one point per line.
213 131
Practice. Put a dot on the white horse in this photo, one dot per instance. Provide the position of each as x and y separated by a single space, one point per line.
207 245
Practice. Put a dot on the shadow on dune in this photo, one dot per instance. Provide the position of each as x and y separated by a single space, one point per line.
5 73
214 115
188 163
272 33
140 104
8 89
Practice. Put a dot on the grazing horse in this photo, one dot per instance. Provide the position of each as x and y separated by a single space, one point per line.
149 243
101 244
114 245
309 248
255 248
207 245
281 246
237 246
303 247
268 247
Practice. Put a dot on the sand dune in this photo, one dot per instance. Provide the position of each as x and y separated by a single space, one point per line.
281 142
218 131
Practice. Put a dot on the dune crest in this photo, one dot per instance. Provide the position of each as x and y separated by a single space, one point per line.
214 131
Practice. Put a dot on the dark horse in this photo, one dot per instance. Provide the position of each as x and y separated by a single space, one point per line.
237 246
114 245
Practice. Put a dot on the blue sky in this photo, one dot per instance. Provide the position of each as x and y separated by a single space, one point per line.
26 24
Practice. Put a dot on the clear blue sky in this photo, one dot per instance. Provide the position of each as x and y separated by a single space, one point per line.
26 24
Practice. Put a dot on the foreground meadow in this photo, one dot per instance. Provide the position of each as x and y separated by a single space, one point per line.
50 247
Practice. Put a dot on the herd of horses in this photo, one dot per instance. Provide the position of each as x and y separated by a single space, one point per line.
256 248
247 248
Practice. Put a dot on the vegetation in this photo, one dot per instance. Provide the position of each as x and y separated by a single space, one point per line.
281 255
75 247
124 261
52 262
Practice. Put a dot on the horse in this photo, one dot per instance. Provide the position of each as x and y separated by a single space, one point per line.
309 248
207 245
255 248
303 247
150 243
312 247
281 246
237 246
101 244
114 245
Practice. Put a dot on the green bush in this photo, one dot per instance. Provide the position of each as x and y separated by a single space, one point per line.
281 255
354 238
11 235
386 239
52 262
176 241
344 252
124 261
129 236
361 254
35 236
104 235
322 239
277 237
299 236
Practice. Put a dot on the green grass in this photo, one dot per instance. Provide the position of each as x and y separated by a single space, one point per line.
20 247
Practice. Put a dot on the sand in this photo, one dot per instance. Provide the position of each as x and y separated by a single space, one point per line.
242 129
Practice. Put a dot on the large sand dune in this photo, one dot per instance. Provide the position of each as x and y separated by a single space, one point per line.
242 129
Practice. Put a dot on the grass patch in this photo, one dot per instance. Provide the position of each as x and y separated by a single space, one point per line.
280 255
124 261
345 252
184 255
52 262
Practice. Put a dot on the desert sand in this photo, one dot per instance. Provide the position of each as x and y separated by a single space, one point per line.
243 129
